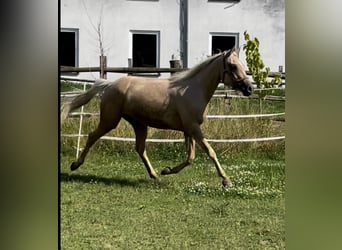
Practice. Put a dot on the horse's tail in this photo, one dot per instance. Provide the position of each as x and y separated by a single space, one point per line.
83 98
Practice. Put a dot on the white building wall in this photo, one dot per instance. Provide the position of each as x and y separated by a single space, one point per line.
119 17
264 19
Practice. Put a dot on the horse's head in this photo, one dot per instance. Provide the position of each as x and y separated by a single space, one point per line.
234 74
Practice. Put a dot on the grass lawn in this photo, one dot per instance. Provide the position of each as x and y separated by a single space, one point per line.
110 202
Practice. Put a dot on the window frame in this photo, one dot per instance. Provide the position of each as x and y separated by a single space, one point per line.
236 35
130 53
77 53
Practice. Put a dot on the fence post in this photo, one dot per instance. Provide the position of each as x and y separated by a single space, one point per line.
80 127
175 64
103 67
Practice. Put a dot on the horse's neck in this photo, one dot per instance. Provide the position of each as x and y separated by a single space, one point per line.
208 79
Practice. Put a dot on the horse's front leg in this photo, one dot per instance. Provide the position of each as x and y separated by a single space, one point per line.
199 138
140 138
190 146
211 153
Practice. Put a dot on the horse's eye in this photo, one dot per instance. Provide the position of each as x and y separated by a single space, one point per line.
233 66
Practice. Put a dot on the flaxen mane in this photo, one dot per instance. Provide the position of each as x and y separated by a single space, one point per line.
184 75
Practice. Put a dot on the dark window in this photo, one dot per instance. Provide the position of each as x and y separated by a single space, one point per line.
68 47
222 43
145 50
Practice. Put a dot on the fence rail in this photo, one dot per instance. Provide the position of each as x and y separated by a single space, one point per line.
88 114
127 70
132 70
125 139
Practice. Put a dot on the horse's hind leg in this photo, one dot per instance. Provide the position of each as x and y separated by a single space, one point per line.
92 138
109 119
190 147
140 138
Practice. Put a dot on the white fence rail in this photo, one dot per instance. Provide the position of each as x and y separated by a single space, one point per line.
87 114
125 139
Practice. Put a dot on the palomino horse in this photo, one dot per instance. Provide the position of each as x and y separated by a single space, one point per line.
176 103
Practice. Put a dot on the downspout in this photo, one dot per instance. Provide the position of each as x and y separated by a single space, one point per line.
183 26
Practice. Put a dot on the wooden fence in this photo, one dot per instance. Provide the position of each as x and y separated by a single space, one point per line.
103 69
133 70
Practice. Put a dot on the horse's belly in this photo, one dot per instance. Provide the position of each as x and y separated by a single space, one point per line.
162 120
164 124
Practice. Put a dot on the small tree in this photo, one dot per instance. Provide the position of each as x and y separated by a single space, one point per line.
100 37
258 70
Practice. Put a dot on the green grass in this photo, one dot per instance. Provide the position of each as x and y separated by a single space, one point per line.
110 203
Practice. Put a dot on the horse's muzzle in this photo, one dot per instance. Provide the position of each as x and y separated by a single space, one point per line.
247 89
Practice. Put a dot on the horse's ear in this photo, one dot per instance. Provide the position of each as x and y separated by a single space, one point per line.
237 50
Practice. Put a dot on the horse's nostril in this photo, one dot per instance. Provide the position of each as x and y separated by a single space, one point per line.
250 89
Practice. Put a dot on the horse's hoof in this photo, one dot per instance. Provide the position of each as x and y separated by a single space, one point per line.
74 166
226 183
156 180
154 176
166 171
